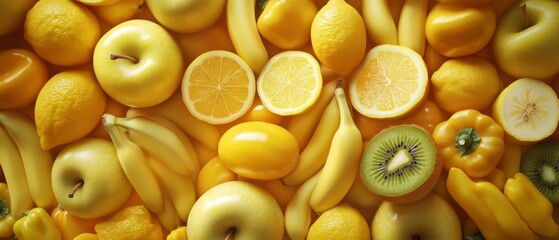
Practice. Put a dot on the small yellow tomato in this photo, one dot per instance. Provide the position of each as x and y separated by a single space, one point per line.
282 193
258 150
456 31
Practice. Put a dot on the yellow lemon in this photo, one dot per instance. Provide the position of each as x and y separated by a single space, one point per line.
62 32
338 36
290 83
68 107
340 222
465 83
391 82
218 87
134 222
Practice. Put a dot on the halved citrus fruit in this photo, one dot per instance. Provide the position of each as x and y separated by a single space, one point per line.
290 83
391 82
218 87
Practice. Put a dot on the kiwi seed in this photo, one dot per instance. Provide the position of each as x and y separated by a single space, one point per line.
540 164
398 160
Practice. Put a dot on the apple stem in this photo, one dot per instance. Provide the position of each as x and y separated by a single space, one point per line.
524 15
117 56
75 188
230 234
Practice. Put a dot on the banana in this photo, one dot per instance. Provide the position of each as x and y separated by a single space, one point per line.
241 24
169 218
302 125
37 162
313 157
184 139
298 211
175 111
159 141
180 188
411 26
342 164
135 166
14 172
379 22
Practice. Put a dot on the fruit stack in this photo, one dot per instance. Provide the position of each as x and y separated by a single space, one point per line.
279 119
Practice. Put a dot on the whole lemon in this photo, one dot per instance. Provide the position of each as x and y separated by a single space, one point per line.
465 83
338 37
340 222
62 32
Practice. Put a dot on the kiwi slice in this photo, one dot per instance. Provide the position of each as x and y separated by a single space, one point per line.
399 160
540 164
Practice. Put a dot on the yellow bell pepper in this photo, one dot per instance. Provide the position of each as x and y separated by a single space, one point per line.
470 141
287 23
6 219
488 207
178 234
532 205
71 226
36 224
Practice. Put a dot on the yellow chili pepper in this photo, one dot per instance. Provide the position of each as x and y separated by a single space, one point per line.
6 219
178 234
287 23
488 207
532 205
497 177
510 162
470 141
36 224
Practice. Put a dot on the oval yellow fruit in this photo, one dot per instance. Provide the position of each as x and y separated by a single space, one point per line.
258 150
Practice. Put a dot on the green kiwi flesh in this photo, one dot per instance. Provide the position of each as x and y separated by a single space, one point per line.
398 160
540 164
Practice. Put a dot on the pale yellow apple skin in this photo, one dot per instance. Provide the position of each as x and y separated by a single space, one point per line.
13 14
429 218
119 12
531 52
186 16
250 210
156 74
105 186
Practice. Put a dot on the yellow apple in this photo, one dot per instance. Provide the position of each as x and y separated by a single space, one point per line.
87 179
236 210
119 12
138 63
186 16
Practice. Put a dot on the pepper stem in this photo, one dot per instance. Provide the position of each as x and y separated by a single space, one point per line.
466 141
75 188
114 56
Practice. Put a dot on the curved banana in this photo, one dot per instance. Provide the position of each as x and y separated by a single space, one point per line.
411 26
379 22
342 164
37 162
176 111
241 24
313 157
169 218
298 211
302 125
14 172
159 141
184 139
180 188
134 163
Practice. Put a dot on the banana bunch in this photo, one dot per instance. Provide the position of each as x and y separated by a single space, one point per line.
160 162
26 166
342 164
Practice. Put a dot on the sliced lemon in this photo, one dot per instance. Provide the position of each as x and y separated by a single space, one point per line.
290 83
391 82
218 87
528 111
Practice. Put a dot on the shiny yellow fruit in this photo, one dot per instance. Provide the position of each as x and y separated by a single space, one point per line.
338 36
340 222
259 150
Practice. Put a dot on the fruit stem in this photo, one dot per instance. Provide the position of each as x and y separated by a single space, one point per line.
114 56
75 188
524 15
230 234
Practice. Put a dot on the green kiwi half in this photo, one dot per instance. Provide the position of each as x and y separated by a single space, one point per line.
540 164
399 160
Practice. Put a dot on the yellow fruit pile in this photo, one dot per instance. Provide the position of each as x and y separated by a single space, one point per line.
280 99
